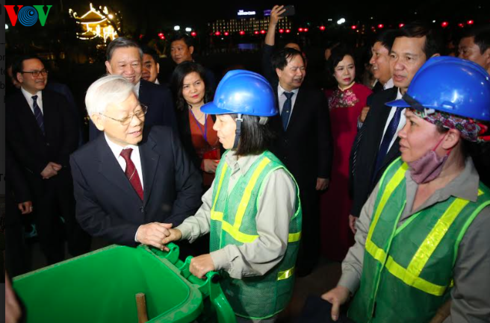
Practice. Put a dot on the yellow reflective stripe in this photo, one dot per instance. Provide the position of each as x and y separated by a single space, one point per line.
248 192
285 274
294 237
377 253
223 171
413 280
435 236
390 188
218 216
236 234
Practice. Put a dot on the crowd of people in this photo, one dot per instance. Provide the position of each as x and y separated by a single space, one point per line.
260 174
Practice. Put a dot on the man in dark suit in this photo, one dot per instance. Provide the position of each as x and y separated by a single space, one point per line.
131 178
124 57
303 144
42 134
378 146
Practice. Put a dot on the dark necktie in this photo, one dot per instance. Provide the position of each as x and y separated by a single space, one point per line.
131 172
38 114
385 144
286 109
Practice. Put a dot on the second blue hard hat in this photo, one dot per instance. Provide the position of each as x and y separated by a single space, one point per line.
450 85
243 92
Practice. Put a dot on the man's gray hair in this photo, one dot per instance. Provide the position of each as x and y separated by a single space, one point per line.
110 89
121 42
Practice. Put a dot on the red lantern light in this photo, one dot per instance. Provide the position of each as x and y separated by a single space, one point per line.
381 26
470 22
217 33
322 28
444 24
193 34
401 25
141 36
256 32
300 30
353 27
288 31
460 25
281 31
242 32
262 31
305 30
226 33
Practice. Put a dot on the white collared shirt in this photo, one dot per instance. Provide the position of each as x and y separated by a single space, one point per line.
137 89
30 101
389 84
282 99
135 157
401 124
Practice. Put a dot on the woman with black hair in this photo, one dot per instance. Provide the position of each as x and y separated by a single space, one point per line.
252 210
196 127
345 104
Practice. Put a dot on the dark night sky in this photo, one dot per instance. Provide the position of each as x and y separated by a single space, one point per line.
187 12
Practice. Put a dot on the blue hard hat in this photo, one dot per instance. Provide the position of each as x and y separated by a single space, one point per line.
243 92
451 85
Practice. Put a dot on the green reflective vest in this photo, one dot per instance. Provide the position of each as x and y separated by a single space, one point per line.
407 270
233 222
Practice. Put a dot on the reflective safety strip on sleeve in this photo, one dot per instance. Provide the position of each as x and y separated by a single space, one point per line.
285 274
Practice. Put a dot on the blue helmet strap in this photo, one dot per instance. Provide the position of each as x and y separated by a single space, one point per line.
238 130
413 103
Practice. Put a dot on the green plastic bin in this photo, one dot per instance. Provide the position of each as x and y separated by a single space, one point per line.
101 287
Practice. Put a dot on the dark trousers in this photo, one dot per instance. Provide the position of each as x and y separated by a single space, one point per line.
16 262
309 251
52 199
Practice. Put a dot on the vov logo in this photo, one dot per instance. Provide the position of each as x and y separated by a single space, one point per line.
27 15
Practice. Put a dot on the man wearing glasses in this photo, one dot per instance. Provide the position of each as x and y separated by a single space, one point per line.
42 133
125 58
132 178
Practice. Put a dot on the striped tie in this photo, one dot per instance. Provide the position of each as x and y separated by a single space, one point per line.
38 114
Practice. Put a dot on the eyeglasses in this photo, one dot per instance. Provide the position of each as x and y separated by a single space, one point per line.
36 73
139 113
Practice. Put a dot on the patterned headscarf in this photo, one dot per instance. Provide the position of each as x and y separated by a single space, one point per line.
469 129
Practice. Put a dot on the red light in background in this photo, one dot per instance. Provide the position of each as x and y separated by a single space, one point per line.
305 30
322 28
460 25
300 30
193 34
242 32
226 33
444 24
256 32
281 31
141 36
401 25
470 22
288 31
262 31
353 27
381 26
217 33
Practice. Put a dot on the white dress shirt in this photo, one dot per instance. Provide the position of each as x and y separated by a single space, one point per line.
389 84
137 89
135 157
401 124
30 101
282 99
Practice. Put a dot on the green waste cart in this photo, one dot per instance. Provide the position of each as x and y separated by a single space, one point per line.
100 287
